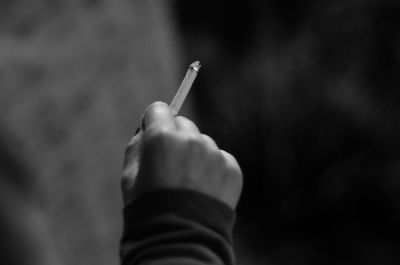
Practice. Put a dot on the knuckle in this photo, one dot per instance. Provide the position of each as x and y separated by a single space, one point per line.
194 147
184 119
210 142
205 149
208 138
194 143
180 119
232 166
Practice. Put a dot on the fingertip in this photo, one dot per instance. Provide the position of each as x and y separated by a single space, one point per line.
210 141
158 114
154 108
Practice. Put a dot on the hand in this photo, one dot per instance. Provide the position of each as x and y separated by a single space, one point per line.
171 153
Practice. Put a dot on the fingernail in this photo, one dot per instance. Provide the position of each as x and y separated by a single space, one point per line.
137 130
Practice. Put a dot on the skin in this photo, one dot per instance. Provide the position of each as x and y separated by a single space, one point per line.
171 153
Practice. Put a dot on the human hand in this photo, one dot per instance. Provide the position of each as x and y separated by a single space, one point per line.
171 153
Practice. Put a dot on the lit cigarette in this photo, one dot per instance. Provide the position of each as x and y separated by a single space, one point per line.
183 90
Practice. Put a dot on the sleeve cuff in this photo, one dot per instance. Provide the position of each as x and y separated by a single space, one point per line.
182 226
188 204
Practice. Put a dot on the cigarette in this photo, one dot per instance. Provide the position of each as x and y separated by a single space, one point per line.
183 90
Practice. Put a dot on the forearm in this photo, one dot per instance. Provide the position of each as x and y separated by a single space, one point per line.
177 227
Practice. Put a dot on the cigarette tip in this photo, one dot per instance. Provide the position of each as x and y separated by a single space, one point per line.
195 66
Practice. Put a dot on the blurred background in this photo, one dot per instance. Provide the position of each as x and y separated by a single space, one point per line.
304 93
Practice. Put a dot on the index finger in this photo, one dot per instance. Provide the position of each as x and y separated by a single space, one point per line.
158 116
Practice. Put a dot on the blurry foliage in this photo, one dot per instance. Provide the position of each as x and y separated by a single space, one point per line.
305 94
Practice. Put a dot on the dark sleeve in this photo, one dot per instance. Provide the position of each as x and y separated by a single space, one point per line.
177 227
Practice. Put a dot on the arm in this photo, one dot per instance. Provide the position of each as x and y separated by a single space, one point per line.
180 191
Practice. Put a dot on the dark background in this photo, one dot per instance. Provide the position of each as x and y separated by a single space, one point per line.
304 93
